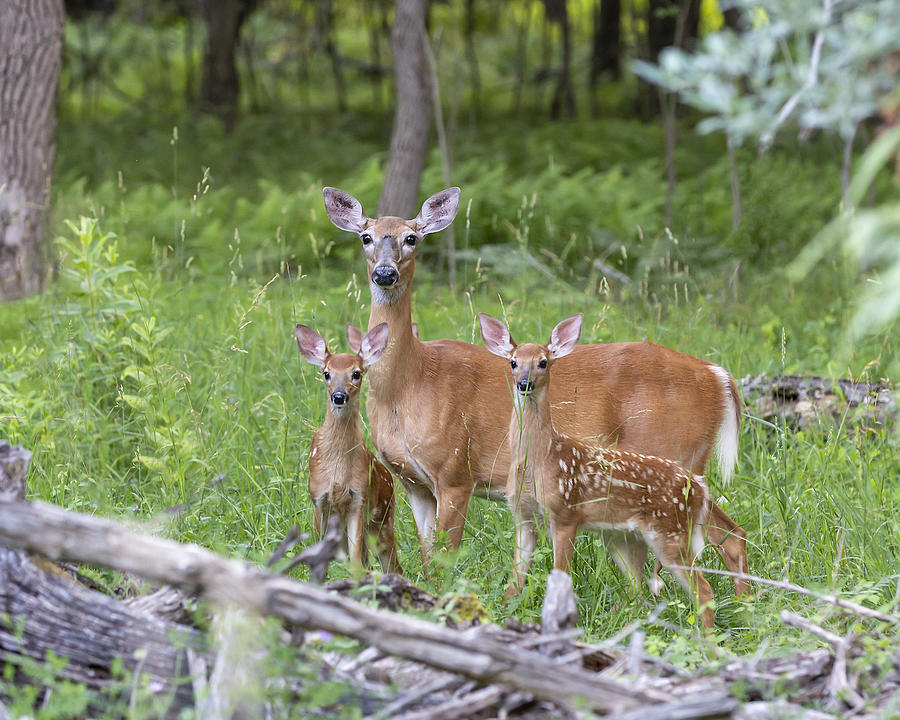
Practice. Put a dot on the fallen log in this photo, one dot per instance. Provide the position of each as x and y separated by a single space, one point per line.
804 400
43 610
62 535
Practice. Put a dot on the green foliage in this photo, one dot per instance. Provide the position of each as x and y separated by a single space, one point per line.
871 236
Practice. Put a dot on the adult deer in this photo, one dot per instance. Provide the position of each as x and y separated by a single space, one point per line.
632 500
344 477
438 410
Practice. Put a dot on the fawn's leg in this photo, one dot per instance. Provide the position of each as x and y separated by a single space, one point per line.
674 556
563 543
383 528
629 553
526 541
356 536
730 541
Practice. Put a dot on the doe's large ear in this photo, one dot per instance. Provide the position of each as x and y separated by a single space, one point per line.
565 336
354 337
344 210
438 211
495 336
312 346
373 344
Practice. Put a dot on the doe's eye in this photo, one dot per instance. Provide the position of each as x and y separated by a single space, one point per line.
542 363
411 240
326 374
513 364
366 238
356 375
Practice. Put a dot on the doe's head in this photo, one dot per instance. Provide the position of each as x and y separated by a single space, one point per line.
530 362
390 243
343 372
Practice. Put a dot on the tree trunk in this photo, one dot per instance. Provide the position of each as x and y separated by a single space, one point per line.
223 20
472 57
412 117
31 37
606 47
564 94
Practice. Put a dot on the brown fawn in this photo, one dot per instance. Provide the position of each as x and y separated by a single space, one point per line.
632 500
344 477
437 410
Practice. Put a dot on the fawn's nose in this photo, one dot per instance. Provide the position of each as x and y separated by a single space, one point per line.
385 275
524 385
339 397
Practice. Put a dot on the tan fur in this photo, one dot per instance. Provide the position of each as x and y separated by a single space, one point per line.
344 477
438 410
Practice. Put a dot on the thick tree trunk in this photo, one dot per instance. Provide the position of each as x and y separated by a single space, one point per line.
223 20
412 117
31 36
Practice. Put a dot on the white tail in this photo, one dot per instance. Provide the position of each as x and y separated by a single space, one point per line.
634 501
437 410
344 477
726 449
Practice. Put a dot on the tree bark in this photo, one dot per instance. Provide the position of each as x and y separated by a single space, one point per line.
564 94
31 36
412 116
606 46
223 20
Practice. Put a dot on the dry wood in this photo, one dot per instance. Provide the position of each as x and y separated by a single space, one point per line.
62 535
46 612
802 400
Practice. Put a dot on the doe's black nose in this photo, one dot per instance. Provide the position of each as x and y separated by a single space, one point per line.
339 397
524 385
385 275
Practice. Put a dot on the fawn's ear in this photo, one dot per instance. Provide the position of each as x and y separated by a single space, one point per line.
438 211
373 344
312 346
344 210
354 337
565 336
495 336
415 329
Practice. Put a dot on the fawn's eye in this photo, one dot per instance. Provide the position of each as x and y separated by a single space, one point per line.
326 374
513 364
356 375
542 363
411 240
366 238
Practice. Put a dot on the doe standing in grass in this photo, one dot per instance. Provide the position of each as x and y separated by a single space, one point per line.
344 477
632 500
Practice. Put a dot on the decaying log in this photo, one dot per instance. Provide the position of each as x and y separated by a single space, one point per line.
43 610
63 535
801 401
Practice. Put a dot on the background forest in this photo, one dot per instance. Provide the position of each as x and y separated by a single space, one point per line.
732 196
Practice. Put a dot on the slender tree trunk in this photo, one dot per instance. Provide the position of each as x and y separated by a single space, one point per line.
325 30
223 20
605 46
31 37
564 95
737 205
413 113
472 57
521 58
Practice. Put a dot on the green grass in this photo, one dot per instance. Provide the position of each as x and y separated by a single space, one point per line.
144 390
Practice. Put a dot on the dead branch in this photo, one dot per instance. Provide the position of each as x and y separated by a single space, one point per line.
62 535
